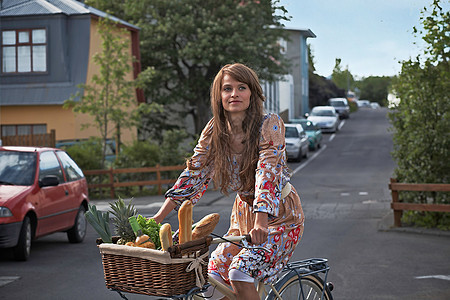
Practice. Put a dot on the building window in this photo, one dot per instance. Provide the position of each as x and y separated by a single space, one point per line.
13 130
24 51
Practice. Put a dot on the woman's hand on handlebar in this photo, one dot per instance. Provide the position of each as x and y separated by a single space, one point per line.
259 233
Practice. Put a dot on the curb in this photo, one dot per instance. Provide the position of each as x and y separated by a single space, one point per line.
386 225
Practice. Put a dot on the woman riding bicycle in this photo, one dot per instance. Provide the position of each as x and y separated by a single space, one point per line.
243 150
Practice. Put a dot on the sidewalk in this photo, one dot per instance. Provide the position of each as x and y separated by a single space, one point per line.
387 224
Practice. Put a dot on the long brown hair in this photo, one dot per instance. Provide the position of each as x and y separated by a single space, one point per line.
220 146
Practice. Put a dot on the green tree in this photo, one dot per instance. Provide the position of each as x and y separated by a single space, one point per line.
320 88
374 88
421 121
109 97
186 42
342 78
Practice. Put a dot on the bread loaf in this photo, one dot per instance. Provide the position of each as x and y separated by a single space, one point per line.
185 222
205 226
165 235
144 241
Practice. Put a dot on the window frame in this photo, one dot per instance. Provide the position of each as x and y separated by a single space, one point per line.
46 169
16 128
29 44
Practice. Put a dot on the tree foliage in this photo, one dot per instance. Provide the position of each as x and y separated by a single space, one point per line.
186 42
374 88
320 88
342 78
421 121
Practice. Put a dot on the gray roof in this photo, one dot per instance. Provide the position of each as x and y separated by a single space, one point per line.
304 31
16 8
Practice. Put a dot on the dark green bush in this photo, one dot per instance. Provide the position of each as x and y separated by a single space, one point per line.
87 154
427 219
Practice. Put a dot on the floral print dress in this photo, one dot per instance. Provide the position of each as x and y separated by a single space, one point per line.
286 219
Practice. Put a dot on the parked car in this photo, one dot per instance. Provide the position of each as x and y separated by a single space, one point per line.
42 191
325 117
374 105
363 103
341 106
312 131
296 142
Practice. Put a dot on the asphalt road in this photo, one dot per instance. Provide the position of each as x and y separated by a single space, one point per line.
345 196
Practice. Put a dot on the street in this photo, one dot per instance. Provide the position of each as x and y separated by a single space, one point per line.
346 201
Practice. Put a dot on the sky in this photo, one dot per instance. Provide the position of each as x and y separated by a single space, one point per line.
369 36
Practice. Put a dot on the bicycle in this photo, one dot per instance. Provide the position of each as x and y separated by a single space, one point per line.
304 279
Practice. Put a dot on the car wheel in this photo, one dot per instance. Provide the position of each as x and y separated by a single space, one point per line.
23 248
77 233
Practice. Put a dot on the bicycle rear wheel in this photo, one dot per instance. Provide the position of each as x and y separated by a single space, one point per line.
311 288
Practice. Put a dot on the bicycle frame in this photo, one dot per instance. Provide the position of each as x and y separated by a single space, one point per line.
300 268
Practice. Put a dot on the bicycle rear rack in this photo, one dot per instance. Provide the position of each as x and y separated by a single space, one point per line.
309 266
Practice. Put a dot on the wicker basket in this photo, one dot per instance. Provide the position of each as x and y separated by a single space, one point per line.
153 272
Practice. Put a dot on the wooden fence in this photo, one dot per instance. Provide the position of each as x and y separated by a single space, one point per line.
34 140
114 182
399 207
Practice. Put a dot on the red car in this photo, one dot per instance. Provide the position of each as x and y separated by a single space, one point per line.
42 191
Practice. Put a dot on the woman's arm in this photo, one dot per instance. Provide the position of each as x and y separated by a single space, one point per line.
165 209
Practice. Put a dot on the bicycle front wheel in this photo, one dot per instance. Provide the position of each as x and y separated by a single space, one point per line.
310 287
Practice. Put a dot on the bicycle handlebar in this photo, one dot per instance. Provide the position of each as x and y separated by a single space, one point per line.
231 238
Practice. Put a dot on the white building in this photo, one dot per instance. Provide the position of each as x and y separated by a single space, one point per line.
289 98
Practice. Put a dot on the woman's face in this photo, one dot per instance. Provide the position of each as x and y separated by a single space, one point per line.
235 95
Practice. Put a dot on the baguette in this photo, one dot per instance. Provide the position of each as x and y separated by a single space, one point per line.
165 235
205 226
185 222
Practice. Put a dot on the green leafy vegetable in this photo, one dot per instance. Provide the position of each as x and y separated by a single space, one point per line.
100 222
150 228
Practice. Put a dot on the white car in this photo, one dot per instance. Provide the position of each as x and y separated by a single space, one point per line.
374 105
341 107
325 117
363 103
297 142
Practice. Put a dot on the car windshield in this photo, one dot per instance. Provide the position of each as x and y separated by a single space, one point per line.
291 132
337 103
17 168
322 113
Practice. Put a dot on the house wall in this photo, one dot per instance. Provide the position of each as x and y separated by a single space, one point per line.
95 46
297 53
37 99
304 63
67 39
293 53
52 115
286 98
